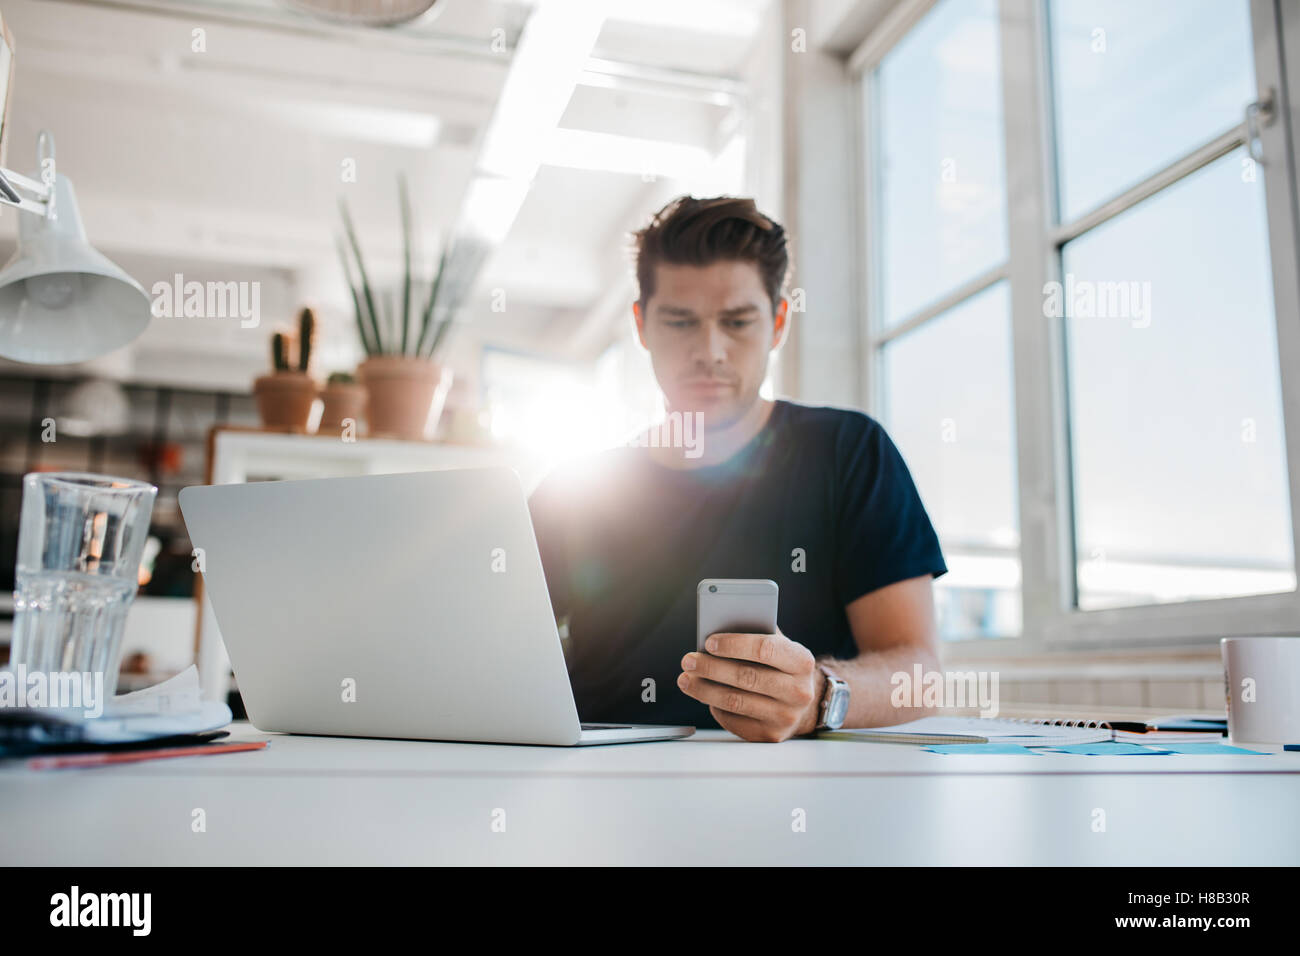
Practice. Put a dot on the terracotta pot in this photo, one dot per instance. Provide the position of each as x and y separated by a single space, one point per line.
404 395
342 400
284 399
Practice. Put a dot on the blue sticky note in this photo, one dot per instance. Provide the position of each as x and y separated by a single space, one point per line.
983 749
1108 748
1210 748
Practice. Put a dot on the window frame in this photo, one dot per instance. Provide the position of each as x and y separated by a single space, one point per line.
1051 621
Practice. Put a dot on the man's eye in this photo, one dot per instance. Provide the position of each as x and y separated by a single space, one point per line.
679 324
739 323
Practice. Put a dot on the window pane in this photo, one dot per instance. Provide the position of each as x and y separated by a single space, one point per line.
941 188
1138 85
1180 479
948 407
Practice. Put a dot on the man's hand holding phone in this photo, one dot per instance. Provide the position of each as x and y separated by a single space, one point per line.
759 684
762 687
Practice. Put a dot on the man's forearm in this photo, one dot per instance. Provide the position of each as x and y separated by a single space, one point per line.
868 676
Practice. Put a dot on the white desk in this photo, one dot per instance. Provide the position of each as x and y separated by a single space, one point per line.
712 799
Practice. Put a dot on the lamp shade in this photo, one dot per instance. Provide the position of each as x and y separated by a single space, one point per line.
60 300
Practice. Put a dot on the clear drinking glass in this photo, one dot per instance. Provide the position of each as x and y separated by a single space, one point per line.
80 540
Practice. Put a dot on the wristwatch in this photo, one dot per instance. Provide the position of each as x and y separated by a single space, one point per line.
835 702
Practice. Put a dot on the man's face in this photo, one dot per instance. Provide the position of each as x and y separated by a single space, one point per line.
709 330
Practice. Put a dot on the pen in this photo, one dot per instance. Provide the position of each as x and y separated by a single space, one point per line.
128 756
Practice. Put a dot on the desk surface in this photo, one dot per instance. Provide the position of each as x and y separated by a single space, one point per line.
711 799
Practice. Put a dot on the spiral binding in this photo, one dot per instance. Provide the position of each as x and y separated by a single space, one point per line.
1080 723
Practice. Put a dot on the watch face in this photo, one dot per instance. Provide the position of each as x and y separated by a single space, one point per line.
837 710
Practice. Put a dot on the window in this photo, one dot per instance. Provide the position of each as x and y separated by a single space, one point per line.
948 403
942 190
1081 250
1175 407
1136 86
943 336
1175 402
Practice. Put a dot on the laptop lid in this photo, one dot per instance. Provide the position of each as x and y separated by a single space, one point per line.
408 605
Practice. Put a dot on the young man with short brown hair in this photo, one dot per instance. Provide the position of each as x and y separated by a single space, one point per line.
817 499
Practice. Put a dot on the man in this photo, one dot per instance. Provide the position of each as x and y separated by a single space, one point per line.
817 499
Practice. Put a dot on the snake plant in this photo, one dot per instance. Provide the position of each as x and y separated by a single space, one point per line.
412 331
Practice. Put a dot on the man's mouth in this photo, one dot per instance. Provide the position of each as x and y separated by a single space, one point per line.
707 383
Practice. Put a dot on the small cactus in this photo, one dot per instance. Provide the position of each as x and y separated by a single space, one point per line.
279 353
306 331
340 378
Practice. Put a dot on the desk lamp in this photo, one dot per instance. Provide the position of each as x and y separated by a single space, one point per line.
60 300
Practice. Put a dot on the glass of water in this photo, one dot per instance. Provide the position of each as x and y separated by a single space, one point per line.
80 540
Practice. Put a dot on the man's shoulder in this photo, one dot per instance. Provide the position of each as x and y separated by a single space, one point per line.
829 421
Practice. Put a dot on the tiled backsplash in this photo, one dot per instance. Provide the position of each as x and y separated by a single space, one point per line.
1160 694
1170 683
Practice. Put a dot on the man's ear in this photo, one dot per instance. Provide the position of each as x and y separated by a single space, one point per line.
780 323
640 324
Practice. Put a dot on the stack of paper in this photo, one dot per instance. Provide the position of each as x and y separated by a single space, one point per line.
173 708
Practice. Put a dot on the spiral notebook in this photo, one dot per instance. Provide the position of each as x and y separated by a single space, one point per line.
1028 732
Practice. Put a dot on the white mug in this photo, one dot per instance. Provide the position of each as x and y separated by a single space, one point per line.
1263 677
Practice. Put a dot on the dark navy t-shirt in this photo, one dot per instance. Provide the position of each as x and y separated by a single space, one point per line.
819 501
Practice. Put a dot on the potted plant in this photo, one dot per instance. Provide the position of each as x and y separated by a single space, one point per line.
285 397
344 399
405 385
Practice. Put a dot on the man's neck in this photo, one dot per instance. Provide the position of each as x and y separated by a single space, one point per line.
716 445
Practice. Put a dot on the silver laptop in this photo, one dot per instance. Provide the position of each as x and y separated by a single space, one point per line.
410 606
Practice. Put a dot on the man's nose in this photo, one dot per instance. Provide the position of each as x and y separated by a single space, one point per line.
712 346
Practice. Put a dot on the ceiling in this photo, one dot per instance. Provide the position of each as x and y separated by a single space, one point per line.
216 137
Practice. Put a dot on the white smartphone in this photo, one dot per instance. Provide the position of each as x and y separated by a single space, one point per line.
734 605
